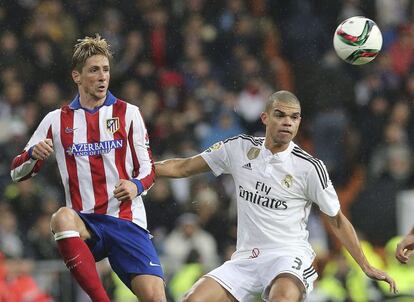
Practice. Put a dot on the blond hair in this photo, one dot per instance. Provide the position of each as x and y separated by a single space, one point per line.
283 96
88 47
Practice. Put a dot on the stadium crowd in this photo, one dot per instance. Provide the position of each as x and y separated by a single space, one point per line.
200 71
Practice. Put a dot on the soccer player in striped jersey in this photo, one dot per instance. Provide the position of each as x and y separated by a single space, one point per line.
276 184
102 151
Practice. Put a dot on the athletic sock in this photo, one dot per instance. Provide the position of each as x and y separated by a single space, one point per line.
81 263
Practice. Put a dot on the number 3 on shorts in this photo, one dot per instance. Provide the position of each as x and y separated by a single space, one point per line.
298 263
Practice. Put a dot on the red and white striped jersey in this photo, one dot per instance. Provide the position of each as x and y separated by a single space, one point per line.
94 149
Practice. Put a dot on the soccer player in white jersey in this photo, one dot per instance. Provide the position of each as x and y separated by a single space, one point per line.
276 184
102 151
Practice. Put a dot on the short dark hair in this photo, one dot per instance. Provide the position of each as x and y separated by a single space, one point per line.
283 96
88 47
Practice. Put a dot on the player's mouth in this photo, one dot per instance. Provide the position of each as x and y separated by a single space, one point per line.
285 131
101 88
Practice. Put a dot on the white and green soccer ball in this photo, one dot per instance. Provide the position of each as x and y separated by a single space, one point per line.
357 40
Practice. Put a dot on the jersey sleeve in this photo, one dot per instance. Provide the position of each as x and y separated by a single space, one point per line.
144 169
321 191
23 166
217 157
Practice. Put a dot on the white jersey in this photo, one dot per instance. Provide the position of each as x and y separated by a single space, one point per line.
274 191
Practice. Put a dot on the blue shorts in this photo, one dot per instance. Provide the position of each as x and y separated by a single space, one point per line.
128 247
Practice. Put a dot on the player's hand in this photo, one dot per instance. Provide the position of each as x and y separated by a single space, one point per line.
125 190
405 248
376 274
43 149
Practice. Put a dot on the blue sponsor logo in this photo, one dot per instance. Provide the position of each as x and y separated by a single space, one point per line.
88 149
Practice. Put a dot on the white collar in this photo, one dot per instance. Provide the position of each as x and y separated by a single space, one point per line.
279 156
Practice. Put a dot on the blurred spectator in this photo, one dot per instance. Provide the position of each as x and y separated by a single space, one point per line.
12 111
402 50
394 137
162 212
251 104
41 240
184 238
25 198
11 244
212 215
378 199
188 274
225 126
132 51
16 284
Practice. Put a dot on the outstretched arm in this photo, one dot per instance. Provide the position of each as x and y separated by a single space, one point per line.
181 167
345 232
405 248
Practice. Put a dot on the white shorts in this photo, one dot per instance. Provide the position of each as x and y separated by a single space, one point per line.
248 277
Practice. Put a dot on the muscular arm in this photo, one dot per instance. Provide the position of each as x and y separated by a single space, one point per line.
345 232
181 167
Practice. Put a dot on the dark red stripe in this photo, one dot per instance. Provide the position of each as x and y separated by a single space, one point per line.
19 160
66 137
119 111
97 165
135 162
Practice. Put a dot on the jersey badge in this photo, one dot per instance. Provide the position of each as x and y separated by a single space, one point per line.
215 147
253 153
287 181
112 125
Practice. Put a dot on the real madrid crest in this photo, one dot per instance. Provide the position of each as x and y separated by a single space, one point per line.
287 181
112 124
253 153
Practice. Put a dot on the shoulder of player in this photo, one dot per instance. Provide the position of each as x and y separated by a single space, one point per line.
311 166
129 106
244 139
55 114
308 161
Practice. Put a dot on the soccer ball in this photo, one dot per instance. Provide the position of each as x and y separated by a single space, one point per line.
357 40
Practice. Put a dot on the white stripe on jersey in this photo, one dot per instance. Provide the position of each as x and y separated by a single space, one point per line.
108 160
82 164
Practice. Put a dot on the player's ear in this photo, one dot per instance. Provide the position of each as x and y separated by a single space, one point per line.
76 76
264 117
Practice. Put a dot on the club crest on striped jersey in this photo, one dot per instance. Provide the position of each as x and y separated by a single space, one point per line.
253 153
112 124
287 181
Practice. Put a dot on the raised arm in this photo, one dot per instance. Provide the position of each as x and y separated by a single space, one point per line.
181 167
345 232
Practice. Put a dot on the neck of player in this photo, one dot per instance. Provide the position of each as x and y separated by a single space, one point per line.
88 101
275 147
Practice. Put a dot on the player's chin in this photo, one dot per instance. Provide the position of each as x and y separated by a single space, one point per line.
101 92
285 137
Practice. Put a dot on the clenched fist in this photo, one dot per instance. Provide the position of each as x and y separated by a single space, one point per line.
43 149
